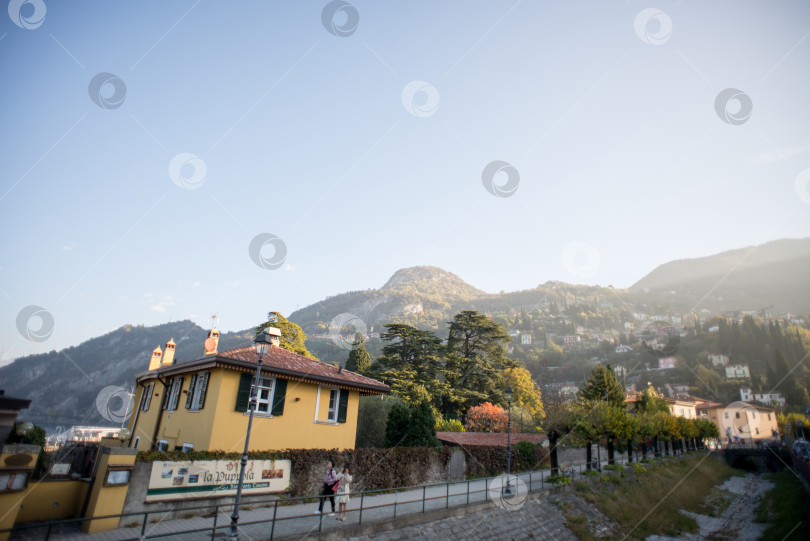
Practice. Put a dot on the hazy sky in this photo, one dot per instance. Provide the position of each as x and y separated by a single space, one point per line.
147 144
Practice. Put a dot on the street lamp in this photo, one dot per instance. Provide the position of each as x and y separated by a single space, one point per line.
123 435
508 394
24 428
262 343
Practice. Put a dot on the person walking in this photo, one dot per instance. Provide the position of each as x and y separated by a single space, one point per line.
328 490
343 491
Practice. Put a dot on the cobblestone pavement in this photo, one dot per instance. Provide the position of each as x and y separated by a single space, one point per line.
537 519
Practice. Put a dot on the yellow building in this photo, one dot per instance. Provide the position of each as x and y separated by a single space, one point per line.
741 422
202 404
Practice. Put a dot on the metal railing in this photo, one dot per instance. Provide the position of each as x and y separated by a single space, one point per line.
418 499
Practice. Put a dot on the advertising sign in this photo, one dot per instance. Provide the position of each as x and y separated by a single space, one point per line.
214 478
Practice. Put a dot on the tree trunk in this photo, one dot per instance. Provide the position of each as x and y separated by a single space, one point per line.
629 451
552 447
611 453
644 450
657 452
588 455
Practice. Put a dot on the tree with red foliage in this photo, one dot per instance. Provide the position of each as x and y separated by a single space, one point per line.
486 418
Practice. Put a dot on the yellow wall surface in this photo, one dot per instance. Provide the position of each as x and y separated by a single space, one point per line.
15 457
145 426
107 500
218 426
53 500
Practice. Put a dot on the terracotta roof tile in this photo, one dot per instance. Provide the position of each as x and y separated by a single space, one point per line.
283 361
472 439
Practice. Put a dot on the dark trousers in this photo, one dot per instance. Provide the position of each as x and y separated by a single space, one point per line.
327 492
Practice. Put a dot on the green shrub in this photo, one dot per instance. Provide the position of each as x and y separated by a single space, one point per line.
614 467
638 468
559 479
449 425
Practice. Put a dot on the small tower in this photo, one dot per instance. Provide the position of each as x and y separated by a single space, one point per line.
168 354
154 362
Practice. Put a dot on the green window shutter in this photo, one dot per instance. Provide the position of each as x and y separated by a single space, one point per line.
203 383
279 394
343 405
243 396
190 395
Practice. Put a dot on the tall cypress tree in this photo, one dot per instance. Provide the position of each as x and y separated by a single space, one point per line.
359 360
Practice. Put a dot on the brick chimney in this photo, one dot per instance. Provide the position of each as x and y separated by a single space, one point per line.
275 335
154 362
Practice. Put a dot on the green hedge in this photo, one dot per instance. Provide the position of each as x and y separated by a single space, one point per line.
373 469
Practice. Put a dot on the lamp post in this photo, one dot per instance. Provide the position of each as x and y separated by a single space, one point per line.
508 394
123 435
24 428
262 345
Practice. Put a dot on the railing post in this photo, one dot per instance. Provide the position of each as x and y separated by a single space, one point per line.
273 527
468 492
362 496
143 526
214 530
320 520
424 493
530 480
48 533
447 497
396 497
542 483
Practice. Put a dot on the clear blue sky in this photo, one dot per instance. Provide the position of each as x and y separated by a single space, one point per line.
623 160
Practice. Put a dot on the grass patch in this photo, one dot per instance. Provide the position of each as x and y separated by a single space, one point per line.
591 473
579 525
651 504
614 467
559 479
716 502
783 507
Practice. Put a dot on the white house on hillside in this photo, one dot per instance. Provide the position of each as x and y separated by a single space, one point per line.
737 371
748 395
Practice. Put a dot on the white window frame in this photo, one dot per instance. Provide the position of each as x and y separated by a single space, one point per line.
163 445
187 447
195 400
259 401
327 421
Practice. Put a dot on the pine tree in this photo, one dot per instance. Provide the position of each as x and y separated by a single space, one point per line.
603 385
359 360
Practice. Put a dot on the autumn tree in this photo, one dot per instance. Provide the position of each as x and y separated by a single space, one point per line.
486 418
292 335
526 394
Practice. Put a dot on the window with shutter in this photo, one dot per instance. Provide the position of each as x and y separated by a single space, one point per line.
149 390
243 395
343 406
199 391
279 396
174 395
190 395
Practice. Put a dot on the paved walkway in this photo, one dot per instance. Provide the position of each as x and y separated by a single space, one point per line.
299 520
